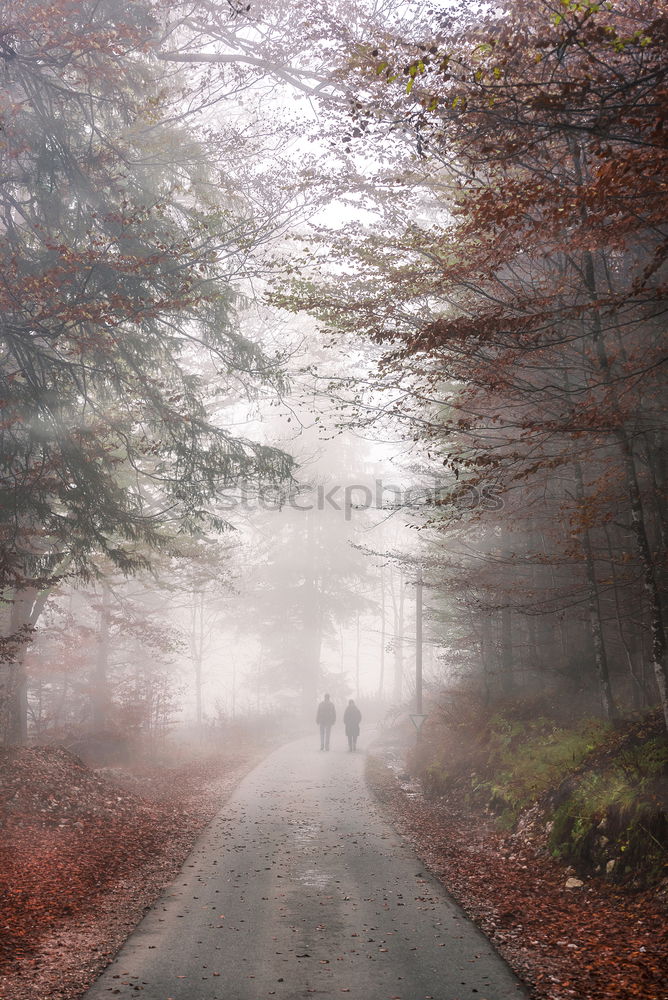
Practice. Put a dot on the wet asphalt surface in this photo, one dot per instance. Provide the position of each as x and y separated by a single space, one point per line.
300 889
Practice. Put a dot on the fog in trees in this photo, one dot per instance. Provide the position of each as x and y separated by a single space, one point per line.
304 308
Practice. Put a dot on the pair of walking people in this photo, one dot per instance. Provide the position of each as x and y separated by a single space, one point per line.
326 717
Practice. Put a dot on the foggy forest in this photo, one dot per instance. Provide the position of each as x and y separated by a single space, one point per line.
333 371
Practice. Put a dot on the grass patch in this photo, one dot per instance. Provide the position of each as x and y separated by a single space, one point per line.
526 759
613 818
601 793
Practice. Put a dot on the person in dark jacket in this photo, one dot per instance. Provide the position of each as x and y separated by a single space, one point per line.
351 720
325 718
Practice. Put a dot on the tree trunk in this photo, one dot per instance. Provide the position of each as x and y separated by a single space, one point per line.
26 607
100 678
650 582
639 691
357 657
657 625
487 655
312 623
381 679
600 656
507 653
398 619
197 649
532 660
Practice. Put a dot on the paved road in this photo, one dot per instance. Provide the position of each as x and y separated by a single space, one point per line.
300 889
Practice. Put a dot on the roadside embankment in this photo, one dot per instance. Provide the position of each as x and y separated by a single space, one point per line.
85 852
552 838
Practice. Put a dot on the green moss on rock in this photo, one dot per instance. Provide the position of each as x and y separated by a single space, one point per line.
601 792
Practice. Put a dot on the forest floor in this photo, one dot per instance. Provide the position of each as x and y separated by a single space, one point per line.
85 852
587 940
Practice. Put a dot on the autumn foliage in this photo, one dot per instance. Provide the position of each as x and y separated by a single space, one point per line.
71 836
566 936
118 246
518 301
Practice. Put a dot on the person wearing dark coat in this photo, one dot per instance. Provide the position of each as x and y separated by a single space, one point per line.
351 720
325 718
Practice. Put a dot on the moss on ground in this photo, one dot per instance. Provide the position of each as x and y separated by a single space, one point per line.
601 793
611 817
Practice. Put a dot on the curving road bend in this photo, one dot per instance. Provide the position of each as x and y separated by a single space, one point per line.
300 889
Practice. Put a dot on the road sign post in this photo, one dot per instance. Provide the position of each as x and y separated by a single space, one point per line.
418 644
418 721
418 656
